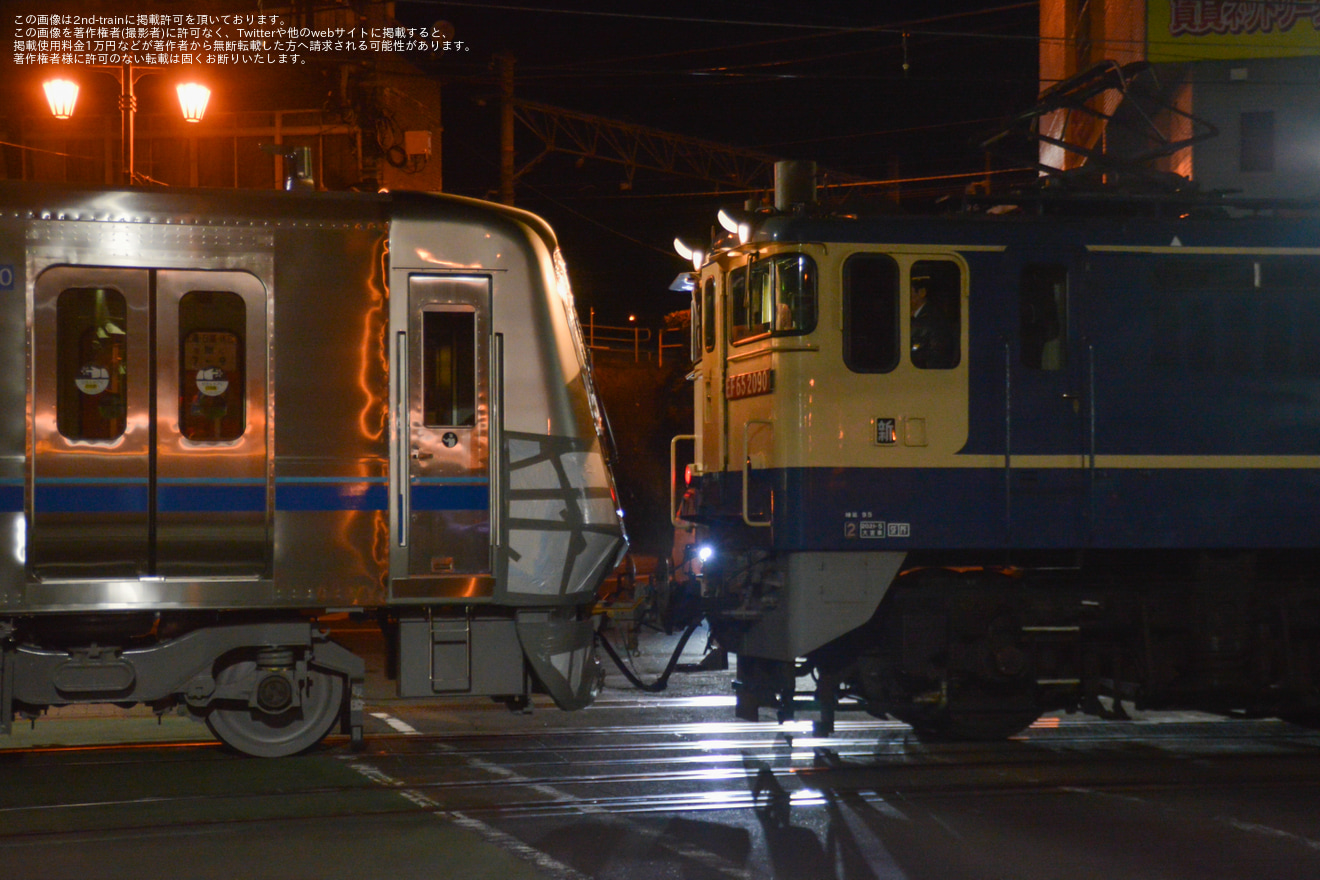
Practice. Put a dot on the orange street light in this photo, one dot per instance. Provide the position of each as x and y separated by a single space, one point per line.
192 100
62 94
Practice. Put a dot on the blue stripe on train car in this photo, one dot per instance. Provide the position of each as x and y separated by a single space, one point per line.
91 496
210 496
11 496
331 493
450 495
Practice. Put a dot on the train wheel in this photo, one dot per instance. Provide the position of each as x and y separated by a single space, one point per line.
274 732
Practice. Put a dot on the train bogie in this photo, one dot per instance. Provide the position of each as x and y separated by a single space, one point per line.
967 468
231 413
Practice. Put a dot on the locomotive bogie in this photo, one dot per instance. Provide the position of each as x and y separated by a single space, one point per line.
238 412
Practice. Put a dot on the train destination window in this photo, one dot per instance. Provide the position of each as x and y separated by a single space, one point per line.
449 364
870 313
1043 315
775 296
936 314
212 390
91 353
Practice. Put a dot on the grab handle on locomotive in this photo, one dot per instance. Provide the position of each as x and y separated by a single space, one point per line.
404 438
747 473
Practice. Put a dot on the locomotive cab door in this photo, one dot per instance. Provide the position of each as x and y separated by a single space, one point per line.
1048 413
442 502
149 429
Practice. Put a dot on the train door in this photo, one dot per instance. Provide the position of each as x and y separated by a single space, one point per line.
1047 417
149 447
445 500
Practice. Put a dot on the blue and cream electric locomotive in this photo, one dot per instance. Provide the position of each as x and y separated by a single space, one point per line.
964 469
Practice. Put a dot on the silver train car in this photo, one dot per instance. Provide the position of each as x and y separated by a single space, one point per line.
228 414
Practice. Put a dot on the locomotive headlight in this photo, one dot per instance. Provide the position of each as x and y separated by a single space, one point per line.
705 552
732 224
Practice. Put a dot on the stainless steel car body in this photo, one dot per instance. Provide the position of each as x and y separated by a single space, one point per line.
221 400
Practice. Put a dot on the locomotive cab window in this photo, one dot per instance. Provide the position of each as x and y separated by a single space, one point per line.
935 312
449 368
212 391
870 313
775 296
91 351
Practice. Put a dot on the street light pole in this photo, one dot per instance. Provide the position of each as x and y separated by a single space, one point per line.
128 111
192 99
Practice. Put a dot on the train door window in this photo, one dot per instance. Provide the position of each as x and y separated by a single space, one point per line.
91 351
708 314
1043 316
212 390
449 368
870 313
936 314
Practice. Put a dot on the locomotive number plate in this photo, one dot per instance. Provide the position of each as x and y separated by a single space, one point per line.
749 384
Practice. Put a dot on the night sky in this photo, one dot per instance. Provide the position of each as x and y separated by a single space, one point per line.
822 81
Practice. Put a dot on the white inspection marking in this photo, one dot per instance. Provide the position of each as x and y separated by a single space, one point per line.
400 726
507 842
706 859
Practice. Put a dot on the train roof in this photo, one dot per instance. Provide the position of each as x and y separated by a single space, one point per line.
230 207
1224 227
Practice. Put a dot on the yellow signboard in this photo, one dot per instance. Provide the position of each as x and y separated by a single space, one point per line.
1193 30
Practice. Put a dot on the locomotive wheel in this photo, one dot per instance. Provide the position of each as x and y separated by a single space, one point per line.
265 734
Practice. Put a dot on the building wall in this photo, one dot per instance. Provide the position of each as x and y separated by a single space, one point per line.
1215 65
1228 93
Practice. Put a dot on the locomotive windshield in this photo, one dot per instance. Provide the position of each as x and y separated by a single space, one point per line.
775 296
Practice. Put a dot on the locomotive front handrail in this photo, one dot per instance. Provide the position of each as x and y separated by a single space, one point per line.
673 477
495 442
747 472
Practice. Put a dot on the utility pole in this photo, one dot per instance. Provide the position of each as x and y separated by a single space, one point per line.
505 63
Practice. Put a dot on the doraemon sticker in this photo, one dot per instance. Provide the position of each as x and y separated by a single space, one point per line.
92 380
212 381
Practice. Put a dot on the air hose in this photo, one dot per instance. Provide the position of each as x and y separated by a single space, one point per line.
663 681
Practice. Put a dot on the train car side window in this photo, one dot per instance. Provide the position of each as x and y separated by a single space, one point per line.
1043 316
449 368
870 313
936 314
212 390
91 353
